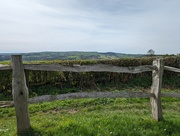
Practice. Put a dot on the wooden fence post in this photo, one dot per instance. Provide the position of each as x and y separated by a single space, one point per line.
20 94
157 75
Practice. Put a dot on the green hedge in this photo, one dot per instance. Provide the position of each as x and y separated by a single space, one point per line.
93 79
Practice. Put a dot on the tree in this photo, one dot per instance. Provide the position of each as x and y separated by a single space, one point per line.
151 52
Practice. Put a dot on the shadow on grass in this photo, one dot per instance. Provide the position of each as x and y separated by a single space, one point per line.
30 132
165 127
171 128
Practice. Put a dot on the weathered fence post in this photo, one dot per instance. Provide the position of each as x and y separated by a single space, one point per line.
157 74
20 94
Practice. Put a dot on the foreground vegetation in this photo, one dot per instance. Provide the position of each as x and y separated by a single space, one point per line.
96 117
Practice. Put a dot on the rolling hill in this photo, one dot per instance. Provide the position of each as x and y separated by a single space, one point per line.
74 55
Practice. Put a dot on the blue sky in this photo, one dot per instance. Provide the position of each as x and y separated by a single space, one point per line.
125 26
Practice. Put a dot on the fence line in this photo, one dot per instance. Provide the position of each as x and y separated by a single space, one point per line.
89 68
5 67
171 94
172 69
83 68
46 98
20 91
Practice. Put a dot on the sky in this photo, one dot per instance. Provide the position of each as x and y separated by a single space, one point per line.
123 26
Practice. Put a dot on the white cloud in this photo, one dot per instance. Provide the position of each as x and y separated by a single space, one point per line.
120 25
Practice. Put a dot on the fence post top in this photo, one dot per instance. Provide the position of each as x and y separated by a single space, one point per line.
16 55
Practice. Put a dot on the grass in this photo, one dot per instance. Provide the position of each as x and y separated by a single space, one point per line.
54 90
96 117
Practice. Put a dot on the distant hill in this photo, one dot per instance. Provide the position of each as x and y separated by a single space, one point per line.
70 56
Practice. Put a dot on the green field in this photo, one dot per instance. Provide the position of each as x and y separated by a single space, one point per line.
96 117
72 55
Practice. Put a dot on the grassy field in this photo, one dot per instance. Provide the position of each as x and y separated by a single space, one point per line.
96 117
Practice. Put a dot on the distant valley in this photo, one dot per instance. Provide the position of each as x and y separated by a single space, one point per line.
70 56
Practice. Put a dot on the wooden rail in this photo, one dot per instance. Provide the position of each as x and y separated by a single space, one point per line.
171 94
20 91
172 69
83 68
89 68
46 98
5 67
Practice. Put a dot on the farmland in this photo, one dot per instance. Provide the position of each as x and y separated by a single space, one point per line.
74 55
